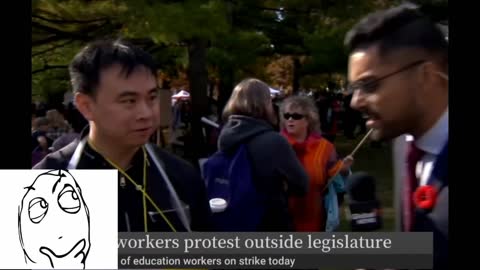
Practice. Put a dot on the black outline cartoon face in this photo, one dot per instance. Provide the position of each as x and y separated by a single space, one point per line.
54 222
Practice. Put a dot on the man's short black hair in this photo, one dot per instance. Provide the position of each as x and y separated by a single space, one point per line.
86 66
398 28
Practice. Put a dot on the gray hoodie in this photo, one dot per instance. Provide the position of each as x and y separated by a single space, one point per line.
274 164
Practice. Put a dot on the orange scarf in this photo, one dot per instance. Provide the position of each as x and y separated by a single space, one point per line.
314 154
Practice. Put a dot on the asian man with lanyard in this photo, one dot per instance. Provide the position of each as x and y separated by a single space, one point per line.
116 90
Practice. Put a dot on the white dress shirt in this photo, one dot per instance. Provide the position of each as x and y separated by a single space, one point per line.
431 143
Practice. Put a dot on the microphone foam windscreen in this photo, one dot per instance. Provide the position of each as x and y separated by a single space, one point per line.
360 186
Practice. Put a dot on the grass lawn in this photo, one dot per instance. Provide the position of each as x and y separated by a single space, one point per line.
378 163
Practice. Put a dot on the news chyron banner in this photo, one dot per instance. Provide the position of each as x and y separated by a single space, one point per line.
275 250
59 219
68 219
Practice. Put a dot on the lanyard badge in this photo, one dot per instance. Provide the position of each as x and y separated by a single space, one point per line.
73 163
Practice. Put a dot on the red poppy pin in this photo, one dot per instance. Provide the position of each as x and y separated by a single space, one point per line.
425 197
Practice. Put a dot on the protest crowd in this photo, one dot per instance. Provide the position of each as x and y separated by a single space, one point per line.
272 163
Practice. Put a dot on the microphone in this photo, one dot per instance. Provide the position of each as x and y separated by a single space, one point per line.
365 208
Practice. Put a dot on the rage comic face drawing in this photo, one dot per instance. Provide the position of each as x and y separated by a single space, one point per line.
54 222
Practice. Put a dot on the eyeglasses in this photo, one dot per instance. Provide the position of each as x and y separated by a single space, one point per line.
294 116
372 86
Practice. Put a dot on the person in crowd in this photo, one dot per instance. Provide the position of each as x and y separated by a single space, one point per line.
116 90
77 123
58 126
40 142
250 119
39 133
301 127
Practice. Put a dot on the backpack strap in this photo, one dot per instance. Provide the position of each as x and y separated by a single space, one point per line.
175 198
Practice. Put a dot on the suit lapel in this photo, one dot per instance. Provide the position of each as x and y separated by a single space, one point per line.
438 177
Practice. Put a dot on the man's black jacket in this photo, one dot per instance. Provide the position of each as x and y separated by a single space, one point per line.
185 179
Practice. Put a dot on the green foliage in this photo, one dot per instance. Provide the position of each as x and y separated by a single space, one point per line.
237 49
170 59
50 83
327 54
244 36
59 30
175 22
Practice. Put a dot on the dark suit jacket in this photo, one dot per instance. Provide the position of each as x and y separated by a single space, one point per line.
436 219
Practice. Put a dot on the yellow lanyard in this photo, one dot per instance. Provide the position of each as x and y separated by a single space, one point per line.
140 188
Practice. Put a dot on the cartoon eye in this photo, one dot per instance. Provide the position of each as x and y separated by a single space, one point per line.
68 200
37 209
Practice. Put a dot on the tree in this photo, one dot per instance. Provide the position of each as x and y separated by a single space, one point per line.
218 40
177 23
59 29
311 34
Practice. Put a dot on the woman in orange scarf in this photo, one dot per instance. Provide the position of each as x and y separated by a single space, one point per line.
301 127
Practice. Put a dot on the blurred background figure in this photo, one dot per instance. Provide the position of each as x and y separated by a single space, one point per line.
40 141
58 126
78 123
352 118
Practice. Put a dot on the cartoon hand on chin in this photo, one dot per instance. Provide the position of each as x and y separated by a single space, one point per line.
75 258
54 223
